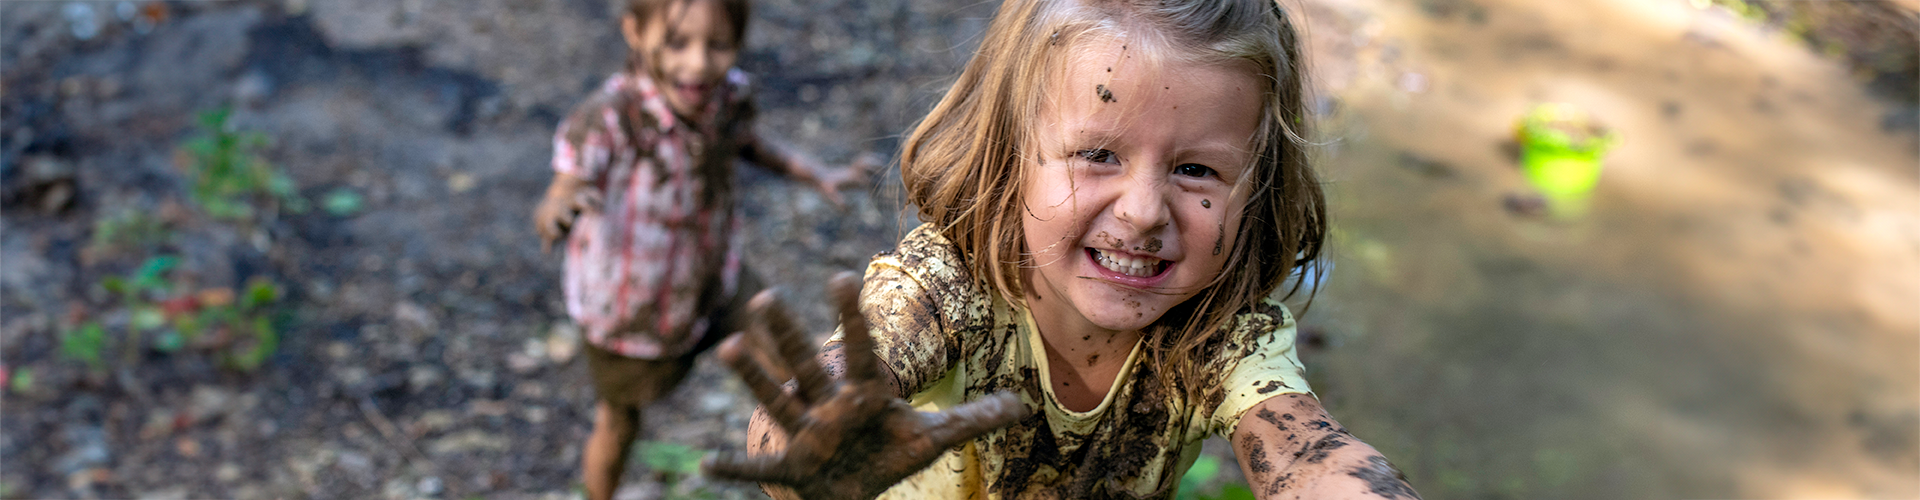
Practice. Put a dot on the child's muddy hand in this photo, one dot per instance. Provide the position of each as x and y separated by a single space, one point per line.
845 438
566 198
830 182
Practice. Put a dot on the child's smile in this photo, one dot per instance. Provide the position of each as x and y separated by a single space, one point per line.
1134 198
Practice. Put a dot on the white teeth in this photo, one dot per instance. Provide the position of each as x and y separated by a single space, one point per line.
1128 265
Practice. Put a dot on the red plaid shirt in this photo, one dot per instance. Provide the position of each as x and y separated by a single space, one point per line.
642 274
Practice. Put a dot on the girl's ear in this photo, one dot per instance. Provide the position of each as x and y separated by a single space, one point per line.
630 29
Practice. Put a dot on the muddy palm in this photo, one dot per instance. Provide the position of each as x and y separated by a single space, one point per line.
846 437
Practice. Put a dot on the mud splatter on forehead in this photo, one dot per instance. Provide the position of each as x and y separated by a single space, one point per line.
1106 94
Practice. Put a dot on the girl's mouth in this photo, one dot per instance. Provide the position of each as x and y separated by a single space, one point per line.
693 94
1137 267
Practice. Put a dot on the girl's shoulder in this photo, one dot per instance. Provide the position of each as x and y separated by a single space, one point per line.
936 273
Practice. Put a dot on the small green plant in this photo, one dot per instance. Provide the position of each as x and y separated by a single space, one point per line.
238 330
85 344
128 229
673 463
21 380
342 202
229 178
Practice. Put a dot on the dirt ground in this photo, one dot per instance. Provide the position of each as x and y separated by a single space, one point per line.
1734 318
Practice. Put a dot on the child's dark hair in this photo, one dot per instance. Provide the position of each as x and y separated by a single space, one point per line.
964 166
737 10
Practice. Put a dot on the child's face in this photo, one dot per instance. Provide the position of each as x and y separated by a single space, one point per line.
1132 207
686 47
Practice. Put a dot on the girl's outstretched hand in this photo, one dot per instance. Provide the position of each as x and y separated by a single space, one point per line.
848 438
567 197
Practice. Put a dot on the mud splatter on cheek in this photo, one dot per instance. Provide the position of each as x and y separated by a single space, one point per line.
1106 94
1206 203
1091 359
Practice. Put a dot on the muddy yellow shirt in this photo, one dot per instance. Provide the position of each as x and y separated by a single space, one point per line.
950 341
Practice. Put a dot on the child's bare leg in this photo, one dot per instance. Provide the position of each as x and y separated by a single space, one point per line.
606 454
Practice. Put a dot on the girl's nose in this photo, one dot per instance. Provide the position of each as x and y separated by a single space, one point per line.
1143 203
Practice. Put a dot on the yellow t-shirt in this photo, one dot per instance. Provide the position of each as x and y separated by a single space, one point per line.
950 341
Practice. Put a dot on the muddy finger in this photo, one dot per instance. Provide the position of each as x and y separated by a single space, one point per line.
859 358
759 469
775 327
966 421
781 406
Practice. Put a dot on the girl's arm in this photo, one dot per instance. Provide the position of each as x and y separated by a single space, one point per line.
1290 448
780 159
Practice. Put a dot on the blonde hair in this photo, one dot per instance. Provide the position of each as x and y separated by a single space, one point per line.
965 163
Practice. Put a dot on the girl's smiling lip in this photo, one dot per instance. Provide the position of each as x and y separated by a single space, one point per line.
692 93
1101 260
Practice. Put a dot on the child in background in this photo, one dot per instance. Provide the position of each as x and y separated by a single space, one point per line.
1112 192
643 193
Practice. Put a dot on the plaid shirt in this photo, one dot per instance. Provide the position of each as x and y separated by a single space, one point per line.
642 273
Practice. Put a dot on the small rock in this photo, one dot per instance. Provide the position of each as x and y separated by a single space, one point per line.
339 350
253 89
174 493
429 486
86 448
469 441
351 376
431 421
714 402
530 390
227 473
535 414
187 447
521 363
355 462
211 402
412 315
563 343
420 378
487 407
460 182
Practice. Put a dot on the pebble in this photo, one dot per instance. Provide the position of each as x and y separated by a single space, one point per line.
227 473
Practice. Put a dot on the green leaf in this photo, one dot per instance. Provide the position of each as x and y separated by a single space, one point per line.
84 344
169 341
342 202
149 277
147 318
114 285
259 293
22 380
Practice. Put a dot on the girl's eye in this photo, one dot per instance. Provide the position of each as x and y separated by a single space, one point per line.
1193 170
676 43
1095 155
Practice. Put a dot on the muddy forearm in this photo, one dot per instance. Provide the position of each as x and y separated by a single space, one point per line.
1290 448
777 158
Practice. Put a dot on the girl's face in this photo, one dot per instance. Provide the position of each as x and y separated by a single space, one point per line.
686 48
1132 207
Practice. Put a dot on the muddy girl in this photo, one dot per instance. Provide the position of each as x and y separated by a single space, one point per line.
643 195
1112 194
